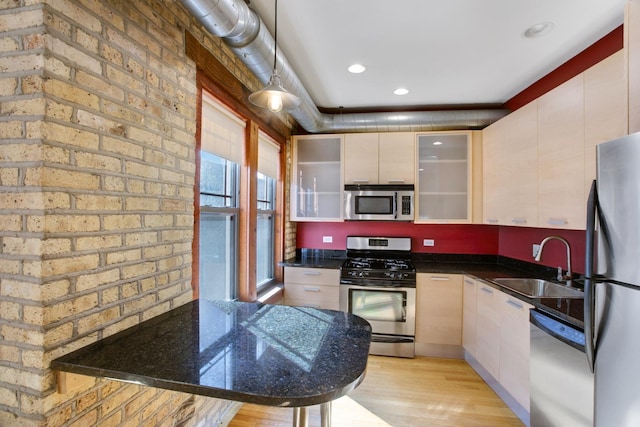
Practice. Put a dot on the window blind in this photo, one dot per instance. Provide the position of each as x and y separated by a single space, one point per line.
222 133
268 155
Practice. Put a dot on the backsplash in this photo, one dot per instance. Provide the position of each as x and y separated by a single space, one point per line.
448 238
472 239
517 242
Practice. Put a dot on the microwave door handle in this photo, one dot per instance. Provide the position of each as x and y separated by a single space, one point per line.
395 205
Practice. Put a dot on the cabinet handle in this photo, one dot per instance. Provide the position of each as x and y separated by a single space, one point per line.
557 221
393 181
312 305
519 220
312 289
440 278
363 181
515 304
486 290
492 220
469 282
311 273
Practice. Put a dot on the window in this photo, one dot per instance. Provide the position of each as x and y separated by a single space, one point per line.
268 164
222 140
236 245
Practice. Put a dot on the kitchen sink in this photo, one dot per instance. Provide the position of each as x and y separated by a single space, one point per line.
538 288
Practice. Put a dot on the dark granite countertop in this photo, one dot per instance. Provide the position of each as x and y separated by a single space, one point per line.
266 354
483 267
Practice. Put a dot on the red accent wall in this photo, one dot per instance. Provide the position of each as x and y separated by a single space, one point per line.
511 242
456 239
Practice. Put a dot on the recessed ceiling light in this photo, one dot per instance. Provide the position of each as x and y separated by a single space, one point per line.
356 68
401 91
437 143
538 30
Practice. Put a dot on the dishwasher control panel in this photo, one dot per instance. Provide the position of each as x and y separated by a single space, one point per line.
558 329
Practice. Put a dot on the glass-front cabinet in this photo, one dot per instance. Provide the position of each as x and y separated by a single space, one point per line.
316 179
443 190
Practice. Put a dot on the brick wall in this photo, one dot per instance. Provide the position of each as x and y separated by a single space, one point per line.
97 124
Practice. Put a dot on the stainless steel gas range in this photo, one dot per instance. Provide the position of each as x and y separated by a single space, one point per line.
378 283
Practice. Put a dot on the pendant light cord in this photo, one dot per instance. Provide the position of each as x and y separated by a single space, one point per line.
275 38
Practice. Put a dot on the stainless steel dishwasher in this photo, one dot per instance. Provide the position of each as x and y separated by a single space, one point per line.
561 381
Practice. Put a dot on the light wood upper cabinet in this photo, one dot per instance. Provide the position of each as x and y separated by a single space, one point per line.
561 194
361 158
396 158
632 49
510 169
316 178
439 315
379 158
494 161
605 108
539 161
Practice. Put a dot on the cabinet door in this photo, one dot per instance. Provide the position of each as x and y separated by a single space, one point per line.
439 315
561 193
521 179
494 162
604 108
510 169
469 315
316 180
444 177
514 347
396 158
361 158
488 330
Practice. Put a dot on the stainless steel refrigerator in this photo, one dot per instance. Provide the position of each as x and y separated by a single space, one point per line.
612 285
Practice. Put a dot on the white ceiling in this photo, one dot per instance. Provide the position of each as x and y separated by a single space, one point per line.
446 52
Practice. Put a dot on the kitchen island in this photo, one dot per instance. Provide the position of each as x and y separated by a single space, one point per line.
248 352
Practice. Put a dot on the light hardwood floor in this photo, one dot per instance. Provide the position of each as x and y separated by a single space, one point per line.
420 392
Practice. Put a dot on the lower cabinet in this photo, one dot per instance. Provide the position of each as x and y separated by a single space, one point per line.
488 329
496 336
469 315
439 315
312 287
514 347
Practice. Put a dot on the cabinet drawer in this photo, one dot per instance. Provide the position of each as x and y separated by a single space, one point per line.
312 293
312 276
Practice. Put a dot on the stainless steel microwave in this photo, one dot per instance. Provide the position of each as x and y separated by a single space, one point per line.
378 202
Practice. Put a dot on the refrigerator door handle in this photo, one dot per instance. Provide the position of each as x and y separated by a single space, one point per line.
589 285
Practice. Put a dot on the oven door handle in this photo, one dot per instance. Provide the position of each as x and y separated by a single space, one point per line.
390 339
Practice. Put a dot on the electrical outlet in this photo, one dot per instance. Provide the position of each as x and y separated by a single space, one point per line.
428 242
536 249
327 239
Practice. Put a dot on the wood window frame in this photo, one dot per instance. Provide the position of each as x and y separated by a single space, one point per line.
213 77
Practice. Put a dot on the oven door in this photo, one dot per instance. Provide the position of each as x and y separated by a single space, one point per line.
389 310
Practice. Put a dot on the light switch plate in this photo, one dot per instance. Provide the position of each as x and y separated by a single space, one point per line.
428 242
327 239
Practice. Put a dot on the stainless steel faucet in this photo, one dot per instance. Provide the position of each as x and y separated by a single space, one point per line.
560 277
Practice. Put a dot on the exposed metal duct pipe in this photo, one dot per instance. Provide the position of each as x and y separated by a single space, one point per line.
248 37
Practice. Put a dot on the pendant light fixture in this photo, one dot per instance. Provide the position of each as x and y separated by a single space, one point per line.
273 96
